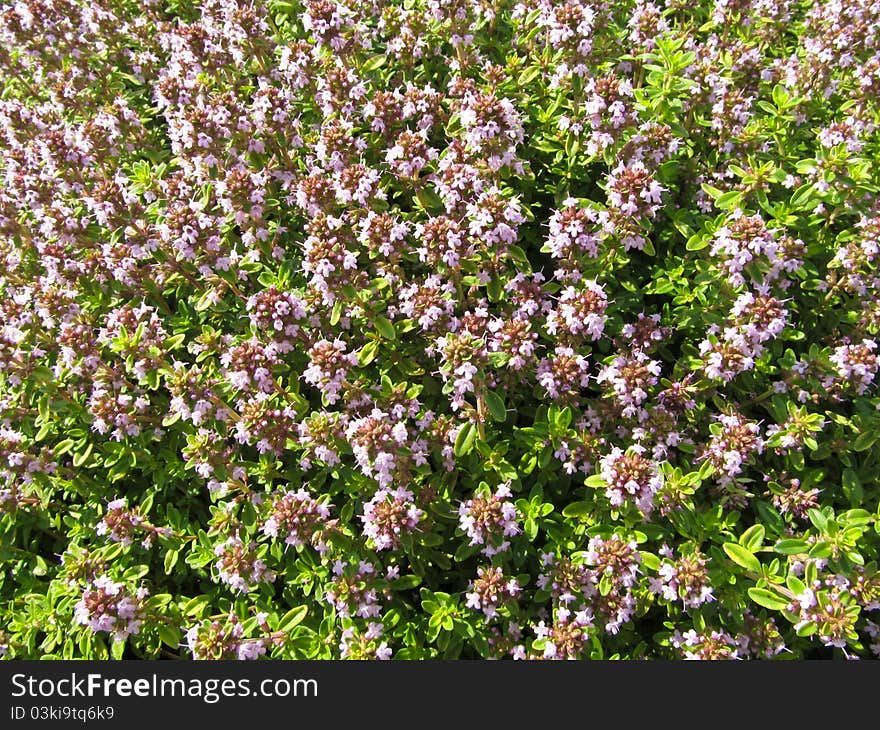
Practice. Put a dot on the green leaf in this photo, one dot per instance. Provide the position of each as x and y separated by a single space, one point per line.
385 328
336 313
62 447
42 374
806 167
464 442
707 469
195 606
727 201
170 635
697 242
427 198
83 456
292 618
780 96
852 486
373 63
819 520
494 289
866 440
368 353
791 546
405 582
753 538
795 584
465 551
117 649
171 560
517 254
802 196
857 517
742 557
768 599
529 75
562 418
807 629
495 404
577 509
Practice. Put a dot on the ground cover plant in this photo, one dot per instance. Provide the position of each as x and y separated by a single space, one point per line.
439 328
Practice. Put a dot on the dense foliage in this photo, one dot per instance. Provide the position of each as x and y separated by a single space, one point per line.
439 328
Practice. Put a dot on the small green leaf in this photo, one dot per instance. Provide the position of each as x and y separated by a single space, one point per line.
791 546
802 197
857 517
517 254
780 96
795 584
170 635
728 200
562 418
768 599
577 509
807 167
856 557
696 242
117 649
465 551
852 486
819 520
753 538
62 447
707 469
368 353
742 557
373 63
292 618
385 328
464 442
83 456
807 629
336 312
866 440
171 560
494 289
405 582
495 404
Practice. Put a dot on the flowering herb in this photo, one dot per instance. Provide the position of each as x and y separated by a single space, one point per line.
434 329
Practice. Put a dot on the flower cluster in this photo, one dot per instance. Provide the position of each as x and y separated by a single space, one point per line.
238 565
390 515
106 605
297 518
631 477
490 589
488 518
